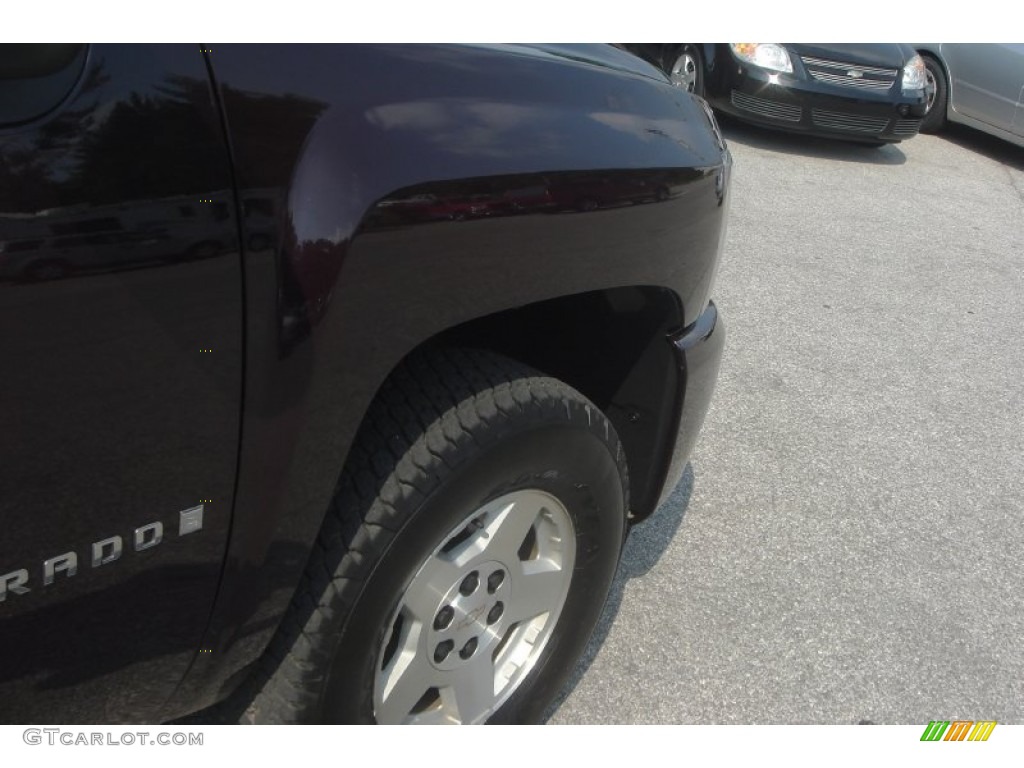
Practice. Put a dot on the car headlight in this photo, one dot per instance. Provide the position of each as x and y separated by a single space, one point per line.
765 55
914 75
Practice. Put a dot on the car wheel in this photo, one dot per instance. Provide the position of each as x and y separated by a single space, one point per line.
687 70
466 558
936 96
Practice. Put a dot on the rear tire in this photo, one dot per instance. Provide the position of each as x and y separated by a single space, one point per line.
466 557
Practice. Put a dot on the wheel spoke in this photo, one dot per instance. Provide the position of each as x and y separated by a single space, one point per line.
929 90
468 624
428 588
407 677
504 533
470 692
536 589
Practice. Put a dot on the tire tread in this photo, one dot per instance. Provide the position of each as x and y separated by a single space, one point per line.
435 411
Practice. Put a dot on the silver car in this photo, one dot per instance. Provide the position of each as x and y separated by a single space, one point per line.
977 84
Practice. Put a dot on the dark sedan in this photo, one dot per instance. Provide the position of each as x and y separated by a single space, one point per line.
871 93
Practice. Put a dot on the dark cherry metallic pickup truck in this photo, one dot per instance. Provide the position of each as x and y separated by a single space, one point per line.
333 377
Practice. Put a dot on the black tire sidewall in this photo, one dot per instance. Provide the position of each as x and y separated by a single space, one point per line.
936 117
570 461
698 58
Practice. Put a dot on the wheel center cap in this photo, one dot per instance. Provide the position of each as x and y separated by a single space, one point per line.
471 616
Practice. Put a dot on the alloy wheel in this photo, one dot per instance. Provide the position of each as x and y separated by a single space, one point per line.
684 72
930 89
473 622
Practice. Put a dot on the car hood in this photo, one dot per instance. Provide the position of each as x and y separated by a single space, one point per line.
600 55
891 55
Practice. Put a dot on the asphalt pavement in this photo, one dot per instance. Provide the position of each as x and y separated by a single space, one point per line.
848 540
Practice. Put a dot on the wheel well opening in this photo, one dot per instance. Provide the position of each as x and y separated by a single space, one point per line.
934 56
611 346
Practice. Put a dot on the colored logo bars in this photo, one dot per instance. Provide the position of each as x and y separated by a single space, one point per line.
958 730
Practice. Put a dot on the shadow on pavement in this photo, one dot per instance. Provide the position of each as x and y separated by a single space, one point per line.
646 544
809 146
991 147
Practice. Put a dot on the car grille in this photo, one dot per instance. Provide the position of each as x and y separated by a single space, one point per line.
907 127
773 109
852 123
838 73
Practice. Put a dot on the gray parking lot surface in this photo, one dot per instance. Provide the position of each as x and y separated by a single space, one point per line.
847 543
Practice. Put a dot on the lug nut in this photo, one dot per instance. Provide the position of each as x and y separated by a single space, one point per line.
470 583
444 617
495 613
494 581
442 650
468 649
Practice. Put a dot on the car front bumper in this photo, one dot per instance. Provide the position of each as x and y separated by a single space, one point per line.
698 351
809 106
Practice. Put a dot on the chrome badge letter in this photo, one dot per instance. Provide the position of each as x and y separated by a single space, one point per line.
106 551
68 563
15 582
